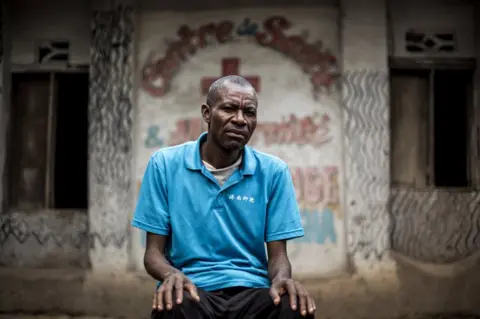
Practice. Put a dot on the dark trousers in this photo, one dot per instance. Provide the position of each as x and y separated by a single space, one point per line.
231 303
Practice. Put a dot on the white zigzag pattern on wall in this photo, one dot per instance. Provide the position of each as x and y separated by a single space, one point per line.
111 121
438 226
366 127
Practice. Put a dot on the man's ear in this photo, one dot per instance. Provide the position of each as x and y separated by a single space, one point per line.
206 113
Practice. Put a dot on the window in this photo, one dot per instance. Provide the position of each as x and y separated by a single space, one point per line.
431 126
48 150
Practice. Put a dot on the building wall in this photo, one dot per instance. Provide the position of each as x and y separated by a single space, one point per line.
3 120
386 283
366 130
377 216
453 213
299 107
430 16
56 21
434 232
111 137
43 238
50 238
37 21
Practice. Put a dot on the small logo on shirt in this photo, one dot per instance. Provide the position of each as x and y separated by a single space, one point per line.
241 198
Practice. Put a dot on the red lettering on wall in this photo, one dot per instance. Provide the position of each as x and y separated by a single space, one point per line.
313 130
157 73
310 130
313 60
314 186
186 130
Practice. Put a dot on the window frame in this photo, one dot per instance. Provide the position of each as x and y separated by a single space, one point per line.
473 126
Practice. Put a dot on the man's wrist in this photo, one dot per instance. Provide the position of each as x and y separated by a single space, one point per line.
280 277
169 272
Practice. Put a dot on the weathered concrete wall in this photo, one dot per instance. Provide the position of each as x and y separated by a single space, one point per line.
450 216
366 131
413 223
34 22
3 105
439 226
38 238
189 5
110 139
433 16
407 284
290 56
44 238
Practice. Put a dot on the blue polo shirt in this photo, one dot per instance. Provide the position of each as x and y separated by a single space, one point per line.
217 234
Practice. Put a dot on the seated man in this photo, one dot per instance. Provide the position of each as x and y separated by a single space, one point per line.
209 207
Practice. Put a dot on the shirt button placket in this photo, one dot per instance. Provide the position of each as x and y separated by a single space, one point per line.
220 201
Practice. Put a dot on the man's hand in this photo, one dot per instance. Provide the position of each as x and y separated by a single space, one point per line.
295 291
172 287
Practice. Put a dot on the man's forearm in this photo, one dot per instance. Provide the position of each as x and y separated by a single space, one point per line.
157 265
279 267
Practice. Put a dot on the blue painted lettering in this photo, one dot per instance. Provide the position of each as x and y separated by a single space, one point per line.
319 226
153 140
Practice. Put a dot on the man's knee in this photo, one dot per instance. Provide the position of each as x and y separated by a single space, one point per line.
182 310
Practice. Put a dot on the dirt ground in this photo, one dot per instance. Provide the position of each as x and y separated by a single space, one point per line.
420 316
399 294
20 316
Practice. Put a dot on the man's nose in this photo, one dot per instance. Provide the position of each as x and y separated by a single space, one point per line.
239 118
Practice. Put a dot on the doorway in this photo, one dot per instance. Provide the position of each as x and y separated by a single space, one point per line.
48 143
431 121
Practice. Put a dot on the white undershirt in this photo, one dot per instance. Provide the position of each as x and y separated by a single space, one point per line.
222 174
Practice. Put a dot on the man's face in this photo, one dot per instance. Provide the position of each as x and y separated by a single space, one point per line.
233 118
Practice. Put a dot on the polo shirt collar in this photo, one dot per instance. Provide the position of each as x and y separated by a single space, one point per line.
193 159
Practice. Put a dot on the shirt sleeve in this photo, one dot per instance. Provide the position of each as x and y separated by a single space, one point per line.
151 213
283 216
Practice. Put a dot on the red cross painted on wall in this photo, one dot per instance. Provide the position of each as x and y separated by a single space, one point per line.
230 66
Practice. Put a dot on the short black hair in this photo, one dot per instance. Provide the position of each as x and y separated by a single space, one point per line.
221 83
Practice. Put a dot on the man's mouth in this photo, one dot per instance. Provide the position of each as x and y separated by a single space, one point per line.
235 134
